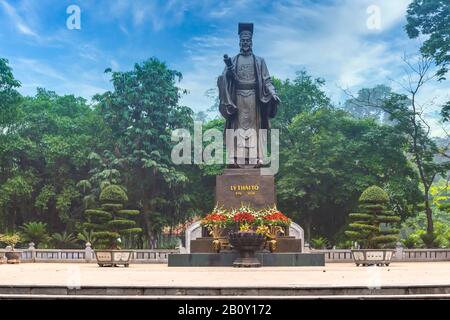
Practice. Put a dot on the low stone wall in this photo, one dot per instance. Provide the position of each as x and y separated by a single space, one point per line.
86 255
406 255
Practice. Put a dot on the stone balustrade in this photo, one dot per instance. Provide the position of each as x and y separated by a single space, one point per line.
86 255
407 255
161 255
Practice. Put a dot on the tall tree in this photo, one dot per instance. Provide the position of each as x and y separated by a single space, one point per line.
141 113
407 113
364 106
334 157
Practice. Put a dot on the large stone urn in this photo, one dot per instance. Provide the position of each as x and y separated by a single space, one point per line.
13 257
113 258
247 243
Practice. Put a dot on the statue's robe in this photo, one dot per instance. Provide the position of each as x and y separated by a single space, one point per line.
259 100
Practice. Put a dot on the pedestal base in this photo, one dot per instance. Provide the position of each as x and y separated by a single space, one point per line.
226 259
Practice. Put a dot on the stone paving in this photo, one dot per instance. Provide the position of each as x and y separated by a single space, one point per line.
332 275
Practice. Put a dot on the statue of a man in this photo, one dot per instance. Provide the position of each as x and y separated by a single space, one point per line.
247 101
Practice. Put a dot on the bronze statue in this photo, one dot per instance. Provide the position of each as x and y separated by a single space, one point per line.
247 101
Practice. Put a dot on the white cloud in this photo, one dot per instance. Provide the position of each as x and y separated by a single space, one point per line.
21 26
328 40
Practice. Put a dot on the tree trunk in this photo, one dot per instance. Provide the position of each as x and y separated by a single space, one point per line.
429 213
308 229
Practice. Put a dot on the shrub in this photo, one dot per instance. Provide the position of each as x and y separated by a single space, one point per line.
319 243
412 241
35 232
371 227
110 222
10 239
64 240
113 194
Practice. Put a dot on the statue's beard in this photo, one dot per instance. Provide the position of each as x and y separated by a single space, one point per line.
246 52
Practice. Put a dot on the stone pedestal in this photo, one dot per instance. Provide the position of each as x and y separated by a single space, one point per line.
226 259
245 186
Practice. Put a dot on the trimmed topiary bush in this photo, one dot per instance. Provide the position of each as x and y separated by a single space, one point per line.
110 222
113 194
371 227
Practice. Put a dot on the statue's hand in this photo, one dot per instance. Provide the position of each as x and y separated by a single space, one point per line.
276 98
231 109
227 61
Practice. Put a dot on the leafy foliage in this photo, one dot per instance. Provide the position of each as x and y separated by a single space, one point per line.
106 224
35 232
367 227
430 18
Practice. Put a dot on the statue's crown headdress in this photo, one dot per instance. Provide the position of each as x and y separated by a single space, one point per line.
245 29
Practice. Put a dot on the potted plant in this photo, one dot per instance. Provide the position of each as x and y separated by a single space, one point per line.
247 241
109 224
371 228
216 222
11 240
272 223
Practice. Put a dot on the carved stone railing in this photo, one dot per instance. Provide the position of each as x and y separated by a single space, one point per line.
404 255
86 255
161 255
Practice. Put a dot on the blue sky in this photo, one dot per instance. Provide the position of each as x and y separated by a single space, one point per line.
332 39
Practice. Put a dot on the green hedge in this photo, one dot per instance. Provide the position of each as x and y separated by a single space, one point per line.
121 223
98 213
128 212
112 206
105 235
131 231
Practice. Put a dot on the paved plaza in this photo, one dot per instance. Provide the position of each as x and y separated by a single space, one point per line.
159 275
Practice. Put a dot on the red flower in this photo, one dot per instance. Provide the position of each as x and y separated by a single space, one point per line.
243 216
215 217
277 216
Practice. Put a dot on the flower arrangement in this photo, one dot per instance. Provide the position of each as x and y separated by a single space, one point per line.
218 217
274 217
269 222
246 218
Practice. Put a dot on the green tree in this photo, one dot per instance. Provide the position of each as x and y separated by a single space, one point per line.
430 18
371 227
303 94
367 103
141 113
407 114
333 159
46 153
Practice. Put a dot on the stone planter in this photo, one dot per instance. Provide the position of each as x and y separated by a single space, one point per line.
368 257
13 257
113 258
247 243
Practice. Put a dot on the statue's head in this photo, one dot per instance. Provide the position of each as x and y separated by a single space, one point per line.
245 37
